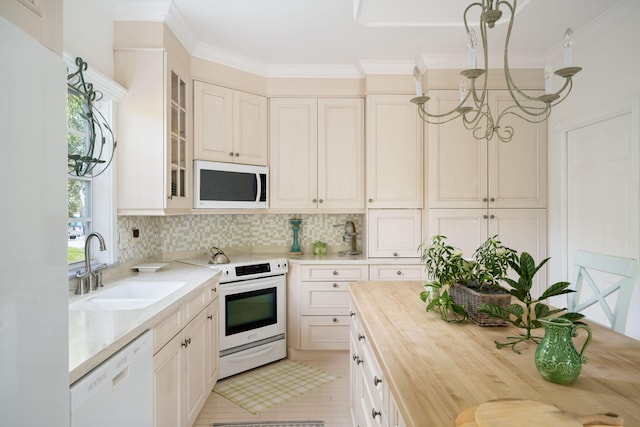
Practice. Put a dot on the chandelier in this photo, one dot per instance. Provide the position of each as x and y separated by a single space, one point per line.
474 105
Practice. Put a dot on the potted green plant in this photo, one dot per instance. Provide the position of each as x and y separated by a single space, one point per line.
458 286
444 264
526 313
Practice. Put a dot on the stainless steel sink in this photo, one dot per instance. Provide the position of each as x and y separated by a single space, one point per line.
127 296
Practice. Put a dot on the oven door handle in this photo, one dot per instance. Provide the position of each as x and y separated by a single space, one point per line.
250 355
252 285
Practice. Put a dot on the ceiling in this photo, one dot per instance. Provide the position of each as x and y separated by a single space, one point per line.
346 38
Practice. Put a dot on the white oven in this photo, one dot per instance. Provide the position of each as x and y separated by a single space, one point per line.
252 298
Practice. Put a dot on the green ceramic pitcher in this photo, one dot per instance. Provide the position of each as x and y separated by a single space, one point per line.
557 359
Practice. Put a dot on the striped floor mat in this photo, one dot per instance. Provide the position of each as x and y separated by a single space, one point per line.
273 424
270 385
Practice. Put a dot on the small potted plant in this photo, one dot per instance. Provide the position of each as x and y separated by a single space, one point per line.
525 314
444 264
458 285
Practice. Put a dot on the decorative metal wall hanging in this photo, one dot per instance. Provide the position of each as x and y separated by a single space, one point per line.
101 145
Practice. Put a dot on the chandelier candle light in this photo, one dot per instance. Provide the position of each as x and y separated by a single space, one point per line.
473 107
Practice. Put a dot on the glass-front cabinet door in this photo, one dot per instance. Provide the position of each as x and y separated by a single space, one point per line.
178 135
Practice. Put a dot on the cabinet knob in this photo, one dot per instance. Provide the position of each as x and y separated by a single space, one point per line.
335 285
376 381
237 154
395 254
320 201
210 317
485 216
335 273
399 273
360 337
231 154
375 413
493 199
354 357
335 320
492 216
314 200
370 200
352 314
214 290
484 199
186 342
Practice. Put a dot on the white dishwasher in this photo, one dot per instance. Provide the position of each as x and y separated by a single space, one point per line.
119 392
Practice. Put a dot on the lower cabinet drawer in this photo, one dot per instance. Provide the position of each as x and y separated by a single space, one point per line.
324 298
167 329
397 272
324 332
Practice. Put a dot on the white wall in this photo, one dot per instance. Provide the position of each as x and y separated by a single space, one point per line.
88 32
33 294
608 54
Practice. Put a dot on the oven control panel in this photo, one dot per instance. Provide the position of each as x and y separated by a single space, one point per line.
253 270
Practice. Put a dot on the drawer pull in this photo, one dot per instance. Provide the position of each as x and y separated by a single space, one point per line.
375 413
360 337
335 285
376 381
335 273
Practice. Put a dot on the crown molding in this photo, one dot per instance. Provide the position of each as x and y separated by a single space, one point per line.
181 29
230 59
387 67
315 71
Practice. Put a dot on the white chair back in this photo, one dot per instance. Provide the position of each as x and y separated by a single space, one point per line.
625 270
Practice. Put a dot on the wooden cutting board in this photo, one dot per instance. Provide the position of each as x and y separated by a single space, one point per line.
522 413
528 413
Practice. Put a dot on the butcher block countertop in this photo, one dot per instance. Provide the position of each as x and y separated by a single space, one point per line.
435 370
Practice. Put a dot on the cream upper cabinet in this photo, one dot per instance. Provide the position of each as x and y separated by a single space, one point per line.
394 233
229 125
524 230
154 137
468 173
394 153
317 154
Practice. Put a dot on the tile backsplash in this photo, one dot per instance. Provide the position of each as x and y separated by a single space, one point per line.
162 236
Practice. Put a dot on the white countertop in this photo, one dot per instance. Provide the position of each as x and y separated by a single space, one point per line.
96 335
334 258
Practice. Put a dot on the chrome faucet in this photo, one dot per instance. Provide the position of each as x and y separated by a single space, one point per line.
350 237
90 280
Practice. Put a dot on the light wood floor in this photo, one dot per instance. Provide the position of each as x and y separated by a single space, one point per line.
328 403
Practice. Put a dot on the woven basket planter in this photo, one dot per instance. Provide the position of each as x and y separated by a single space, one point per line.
472 299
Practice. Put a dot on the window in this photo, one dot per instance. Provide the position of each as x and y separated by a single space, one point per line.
79 189
91 201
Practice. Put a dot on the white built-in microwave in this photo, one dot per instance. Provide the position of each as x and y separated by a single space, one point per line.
220 185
